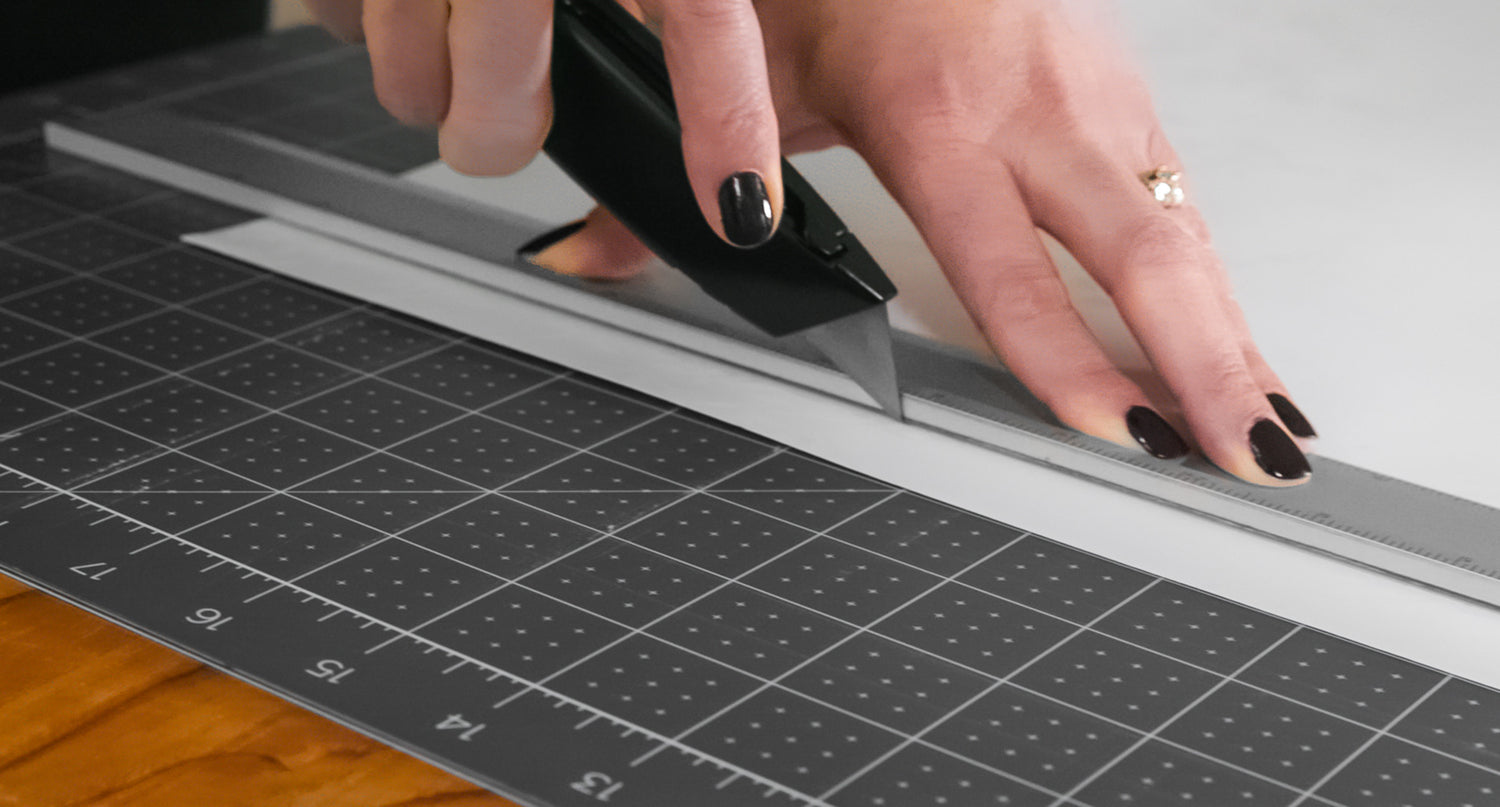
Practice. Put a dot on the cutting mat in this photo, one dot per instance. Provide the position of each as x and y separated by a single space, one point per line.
576 594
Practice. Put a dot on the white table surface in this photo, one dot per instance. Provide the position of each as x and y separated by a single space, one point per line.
1345 154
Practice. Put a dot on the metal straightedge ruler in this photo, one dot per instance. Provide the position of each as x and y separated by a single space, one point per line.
1412 532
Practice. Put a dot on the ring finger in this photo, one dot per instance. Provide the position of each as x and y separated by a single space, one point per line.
1158 269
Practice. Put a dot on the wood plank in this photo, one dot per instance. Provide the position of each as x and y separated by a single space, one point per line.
93 715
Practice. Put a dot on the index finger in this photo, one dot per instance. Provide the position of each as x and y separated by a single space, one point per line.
730 138
342 17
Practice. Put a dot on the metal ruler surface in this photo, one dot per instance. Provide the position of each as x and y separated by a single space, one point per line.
575 594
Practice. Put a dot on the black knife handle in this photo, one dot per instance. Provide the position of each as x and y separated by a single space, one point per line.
615 132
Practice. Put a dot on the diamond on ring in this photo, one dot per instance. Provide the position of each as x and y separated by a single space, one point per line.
1164 184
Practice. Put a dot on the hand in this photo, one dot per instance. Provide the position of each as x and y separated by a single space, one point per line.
986 121
479 69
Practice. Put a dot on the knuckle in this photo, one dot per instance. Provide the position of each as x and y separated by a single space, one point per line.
935 104
340 17
1079 402
740 119
701 14
1159 238
1029 291
492 163
491 147
1218 378
1156 251
411 107
381 17
1027 309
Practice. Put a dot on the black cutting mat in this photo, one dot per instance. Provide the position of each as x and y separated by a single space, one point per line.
727 620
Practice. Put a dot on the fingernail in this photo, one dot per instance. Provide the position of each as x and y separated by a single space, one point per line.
1154 433
535 246
1291 416
745 209
1275 452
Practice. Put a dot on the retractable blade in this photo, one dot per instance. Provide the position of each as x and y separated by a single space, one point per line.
860 345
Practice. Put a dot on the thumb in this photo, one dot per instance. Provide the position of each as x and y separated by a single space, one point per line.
597 247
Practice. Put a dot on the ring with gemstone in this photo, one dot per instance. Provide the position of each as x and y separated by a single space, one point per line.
1164 184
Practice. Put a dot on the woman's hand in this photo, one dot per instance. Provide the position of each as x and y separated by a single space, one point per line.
986 121
479 70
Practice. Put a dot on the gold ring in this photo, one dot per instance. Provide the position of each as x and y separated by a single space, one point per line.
1165 185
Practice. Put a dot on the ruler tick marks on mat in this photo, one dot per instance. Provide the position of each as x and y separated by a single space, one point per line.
676 612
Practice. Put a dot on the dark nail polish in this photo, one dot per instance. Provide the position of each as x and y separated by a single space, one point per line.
1275 452
745 209
1154 433
1291 416
527 250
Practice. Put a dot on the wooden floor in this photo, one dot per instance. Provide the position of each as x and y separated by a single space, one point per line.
91 714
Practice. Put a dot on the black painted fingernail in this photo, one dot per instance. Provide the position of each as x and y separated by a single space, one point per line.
1291 416
531 248
1154 433
1275 452
745 209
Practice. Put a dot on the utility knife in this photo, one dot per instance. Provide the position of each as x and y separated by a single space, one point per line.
615 132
